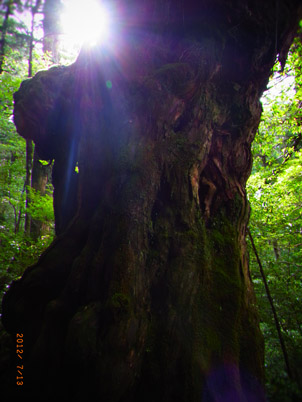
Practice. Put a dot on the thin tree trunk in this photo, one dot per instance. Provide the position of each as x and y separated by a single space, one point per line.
29 159
18 221
3 35
29 143
276 249
40 178
270 299
34 11
41 174
51 28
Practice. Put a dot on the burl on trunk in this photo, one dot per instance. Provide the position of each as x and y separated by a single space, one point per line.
145 294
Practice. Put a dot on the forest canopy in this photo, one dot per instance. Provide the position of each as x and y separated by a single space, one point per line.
32 40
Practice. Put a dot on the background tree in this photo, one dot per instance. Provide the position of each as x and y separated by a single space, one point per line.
41 170
16 251
52 29
34 8
4 29
146 289
37 172
13 31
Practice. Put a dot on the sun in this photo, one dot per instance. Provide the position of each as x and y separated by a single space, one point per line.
84 22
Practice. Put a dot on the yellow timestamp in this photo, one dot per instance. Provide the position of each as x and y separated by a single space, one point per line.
19 355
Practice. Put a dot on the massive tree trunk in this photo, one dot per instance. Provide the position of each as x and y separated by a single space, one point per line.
145 294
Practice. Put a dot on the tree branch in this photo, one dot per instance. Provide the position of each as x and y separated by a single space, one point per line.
268 293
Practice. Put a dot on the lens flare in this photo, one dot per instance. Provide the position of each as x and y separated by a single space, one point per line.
85 22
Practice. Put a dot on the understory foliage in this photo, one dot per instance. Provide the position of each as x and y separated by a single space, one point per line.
22 54
17 250
275 195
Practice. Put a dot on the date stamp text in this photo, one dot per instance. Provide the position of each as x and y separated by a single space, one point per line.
19 355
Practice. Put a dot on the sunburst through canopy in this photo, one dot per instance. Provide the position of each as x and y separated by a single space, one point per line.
84 22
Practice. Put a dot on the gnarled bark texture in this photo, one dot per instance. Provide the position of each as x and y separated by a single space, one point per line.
145 294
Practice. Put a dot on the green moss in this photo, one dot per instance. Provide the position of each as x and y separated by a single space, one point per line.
225 256
217 237
120 301
82 333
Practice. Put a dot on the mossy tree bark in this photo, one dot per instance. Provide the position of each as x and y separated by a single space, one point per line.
145 294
